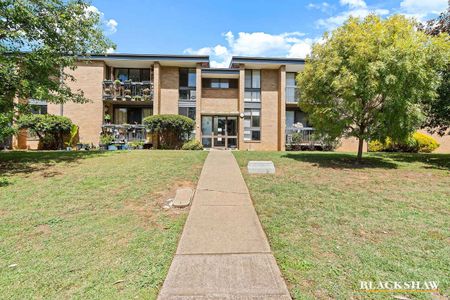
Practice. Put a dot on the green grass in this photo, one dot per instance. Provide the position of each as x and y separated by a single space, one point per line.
331 223
89 224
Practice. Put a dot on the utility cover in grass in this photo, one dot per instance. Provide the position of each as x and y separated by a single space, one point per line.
183 197
260 167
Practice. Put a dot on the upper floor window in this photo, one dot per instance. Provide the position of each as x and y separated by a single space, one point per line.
291 88
188 82
37 107
290 79
135 75
220 83
188 78
252 86
252 79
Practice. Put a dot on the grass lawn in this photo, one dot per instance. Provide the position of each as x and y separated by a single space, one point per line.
90 224
332 224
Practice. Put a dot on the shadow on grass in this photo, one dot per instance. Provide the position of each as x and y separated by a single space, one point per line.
371 160
16 162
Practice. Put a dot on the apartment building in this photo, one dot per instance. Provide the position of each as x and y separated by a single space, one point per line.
251 105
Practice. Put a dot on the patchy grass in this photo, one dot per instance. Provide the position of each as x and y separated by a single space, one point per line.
90 224
331 223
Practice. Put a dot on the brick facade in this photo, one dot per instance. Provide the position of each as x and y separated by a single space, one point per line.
209 101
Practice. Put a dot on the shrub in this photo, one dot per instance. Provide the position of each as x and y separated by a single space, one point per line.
192 145
417 142
425 143
52 130
171 129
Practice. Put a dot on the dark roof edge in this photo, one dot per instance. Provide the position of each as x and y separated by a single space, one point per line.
156 57
220 70
267 60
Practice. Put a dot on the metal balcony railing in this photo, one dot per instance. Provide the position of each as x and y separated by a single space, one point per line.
125 133
127 90
302 136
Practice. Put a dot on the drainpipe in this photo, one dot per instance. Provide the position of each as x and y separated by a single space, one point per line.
61 82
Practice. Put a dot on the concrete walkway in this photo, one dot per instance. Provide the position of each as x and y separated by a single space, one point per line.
223 252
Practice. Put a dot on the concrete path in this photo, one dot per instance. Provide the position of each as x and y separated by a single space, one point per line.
223 252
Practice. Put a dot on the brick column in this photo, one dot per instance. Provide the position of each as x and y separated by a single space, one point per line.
156 88
282 109
198 103
241 105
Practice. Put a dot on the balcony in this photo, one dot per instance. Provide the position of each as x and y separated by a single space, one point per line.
125 133
292 95
302 139
127 90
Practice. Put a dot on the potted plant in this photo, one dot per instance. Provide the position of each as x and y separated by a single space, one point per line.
73 133
107 119
106 140
117 84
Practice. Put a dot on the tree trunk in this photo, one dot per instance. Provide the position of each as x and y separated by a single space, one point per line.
360 150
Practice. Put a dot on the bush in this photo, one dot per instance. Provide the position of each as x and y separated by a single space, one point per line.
192 145
52 130
417 142
425 143
172 130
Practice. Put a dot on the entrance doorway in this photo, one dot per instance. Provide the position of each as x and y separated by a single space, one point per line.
219 132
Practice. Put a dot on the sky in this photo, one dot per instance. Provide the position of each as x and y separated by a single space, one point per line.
223 28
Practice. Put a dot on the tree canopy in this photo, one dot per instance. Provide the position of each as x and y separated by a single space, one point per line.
39 41
368 77
438 110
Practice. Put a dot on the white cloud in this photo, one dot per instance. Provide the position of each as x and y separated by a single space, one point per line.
354 8
353 3
110 24
324 7
110 50
420 9
289 44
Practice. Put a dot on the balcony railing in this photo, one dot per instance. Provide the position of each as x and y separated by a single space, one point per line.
127 90
292 95
302 137
125 133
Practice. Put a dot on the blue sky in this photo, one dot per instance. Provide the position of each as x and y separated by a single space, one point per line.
222 28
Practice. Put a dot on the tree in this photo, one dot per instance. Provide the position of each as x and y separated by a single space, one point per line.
39 41
438 110
172 130
367 79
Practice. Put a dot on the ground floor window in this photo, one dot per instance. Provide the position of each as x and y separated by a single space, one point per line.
187 111
252 124
131 115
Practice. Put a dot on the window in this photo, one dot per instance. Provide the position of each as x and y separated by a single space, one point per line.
220 83
188 78
187 84
37 107
135 75
252 79
252 86
291 88
131 115
187 111
252 124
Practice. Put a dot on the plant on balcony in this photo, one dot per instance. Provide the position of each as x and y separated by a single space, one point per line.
107 118
52 130
117 84
170 129
137 98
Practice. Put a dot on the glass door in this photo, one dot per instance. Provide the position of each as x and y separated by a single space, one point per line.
219 132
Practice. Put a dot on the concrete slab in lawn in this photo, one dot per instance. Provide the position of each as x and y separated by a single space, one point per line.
260 167
223 229
235 276
183 197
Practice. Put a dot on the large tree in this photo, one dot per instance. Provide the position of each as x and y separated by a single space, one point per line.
368 77
39 41
438 110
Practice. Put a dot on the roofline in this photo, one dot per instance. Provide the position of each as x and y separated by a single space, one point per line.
267 60
220 70
155 57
